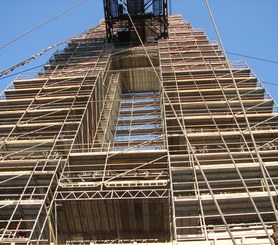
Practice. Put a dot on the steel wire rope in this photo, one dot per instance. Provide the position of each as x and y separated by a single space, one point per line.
43 23
203 173
252 57
184 132
226 145
8 70
237 169
273 84
17 73
22 63
261 163
232 158
241 103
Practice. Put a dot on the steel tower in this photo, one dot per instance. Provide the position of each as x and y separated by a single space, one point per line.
139 131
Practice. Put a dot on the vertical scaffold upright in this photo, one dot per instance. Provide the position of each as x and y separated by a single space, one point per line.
119 142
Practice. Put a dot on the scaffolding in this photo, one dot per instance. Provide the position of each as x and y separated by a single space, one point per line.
113 144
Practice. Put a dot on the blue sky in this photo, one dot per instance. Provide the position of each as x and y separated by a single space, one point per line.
246 27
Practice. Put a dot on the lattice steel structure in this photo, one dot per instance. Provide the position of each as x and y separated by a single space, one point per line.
122 143
149 19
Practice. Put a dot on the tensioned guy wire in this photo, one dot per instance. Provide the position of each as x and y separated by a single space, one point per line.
8 70
253 57
43 23
260 161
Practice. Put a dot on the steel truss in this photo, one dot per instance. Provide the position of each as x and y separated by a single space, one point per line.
150 17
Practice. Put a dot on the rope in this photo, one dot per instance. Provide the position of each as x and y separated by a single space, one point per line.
183 130
8 70
253 57
14 74
261 163
43 23
273 84
170 7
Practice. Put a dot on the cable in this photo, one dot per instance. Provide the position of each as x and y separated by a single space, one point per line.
184 130
274 84
253 57
8 70
260 161
171 7
43 23
14 74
